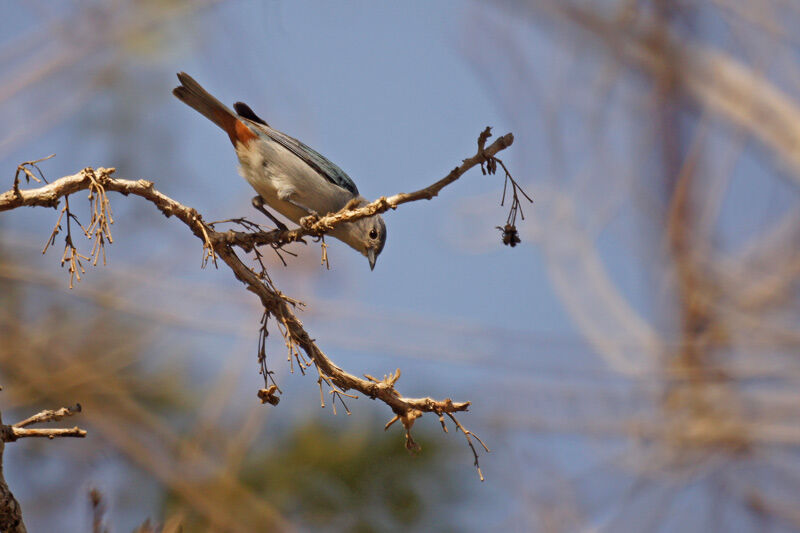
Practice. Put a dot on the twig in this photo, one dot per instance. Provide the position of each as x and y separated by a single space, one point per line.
25 169
50 433
510 234
468 435
324 261
49 416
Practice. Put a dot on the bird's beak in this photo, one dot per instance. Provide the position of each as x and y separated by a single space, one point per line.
372 258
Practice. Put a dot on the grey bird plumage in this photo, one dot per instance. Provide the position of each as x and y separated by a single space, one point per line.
290 177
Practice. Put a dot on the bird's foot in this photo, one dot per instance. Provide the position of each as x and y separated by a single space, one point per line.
307 222
258 204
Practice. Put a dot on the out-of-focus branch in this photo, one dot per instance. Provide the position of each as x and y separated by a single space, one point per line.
220 245
10 510
714 79
20 429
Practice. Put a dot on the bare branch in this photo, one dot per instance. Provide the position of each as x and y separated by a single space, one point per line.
10 510
220 245
318 225
20 429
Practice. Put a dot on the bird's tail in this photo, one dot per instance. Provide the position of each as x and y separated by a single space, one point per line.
192 94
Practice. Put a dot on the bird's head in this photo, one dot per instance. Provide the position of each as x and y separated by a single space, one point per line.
367 235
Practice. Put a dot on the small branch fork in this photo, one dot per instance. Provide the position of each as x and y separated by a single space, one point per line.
301 348
10 510
26 169
20 430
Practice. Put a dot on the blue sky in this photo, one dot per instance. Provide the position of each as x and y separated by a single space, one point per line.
396 94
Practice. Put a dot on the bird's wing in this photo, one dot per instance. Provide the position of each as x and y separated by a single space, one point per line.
312 158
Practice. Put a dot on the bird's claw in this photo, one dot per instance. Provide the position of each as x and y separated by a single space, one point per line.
307 222
258 204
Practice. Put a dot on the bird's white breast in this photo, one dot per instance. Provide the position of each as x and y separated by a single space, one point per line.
275 172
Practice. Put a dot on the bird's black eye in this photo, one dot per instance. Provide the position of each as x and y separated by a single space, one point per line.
373 234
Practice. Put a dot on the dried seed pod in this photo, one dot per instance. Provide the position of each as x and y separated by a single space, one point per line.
510 235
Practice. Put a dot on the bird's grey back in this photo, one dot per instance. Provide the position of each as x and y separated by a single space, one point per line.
321 164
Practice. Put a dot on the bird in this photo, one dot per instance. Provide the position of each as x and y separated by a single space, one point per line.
289 176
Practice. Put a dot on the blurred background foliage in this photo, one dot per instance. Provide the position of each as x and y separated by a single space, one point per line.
632 364
325 478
